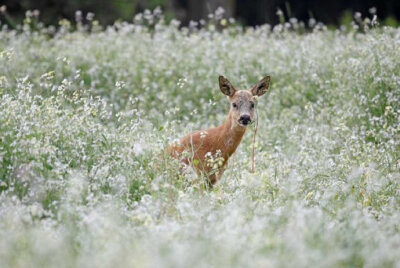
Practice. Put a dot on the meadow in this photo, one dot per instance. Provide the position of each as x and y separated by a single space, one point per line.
85 111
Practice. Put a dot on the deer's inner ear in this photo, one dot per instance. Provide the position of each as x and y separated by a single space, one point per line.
226 86
261 87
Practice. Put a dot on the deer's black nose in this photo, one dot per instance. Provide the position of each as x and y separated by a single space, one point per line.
244 119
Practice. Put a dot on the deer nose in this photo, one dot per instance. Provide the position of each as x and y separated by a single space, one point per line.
244 119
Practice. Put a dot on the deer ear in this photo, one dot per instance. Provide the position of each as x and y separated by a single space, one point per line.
226 86
261 87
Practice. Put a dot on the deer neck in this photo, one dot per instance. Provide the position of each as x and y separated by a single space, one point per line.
231 135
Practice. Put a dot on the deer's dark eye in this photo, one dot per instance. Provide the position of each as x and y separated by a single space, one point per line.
234 105
252 105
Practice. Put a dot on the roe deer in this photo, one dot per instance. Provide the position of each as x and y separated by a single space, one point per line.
208 151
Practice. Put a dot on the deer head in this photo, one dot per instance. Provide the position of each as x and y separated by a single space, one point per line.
243 101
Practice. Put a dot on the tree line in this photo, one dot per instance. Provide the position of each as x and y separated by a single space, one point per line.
253 12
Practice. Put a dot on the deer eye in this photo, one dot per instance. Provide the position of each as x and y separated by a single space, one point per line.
234 105
252 105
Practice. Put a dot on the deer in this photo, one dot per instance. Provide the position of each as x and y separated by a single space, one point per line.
208 151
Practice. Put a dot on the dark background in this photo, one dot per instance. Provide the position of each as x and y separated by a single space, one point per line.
250 12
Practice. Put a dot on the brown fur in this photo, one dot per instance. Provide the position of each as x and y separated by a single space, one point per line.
222 141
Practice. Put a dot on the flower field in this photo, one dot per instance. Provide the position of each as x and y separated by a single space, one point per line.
85 113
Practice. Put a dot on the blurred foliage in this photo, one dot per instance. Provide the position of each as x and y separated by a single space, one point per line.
391 21
254 12
51 11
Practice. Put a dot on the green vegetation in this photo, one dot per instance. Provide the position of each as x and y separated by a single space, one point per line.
85 113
